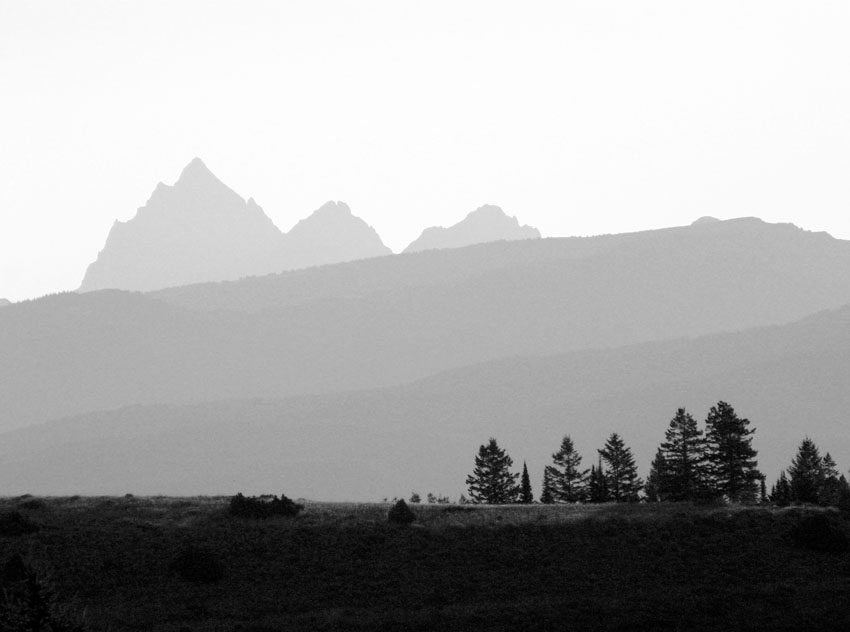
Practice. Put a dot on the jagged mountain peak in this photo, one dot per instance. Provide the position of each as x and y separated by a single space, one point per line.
484 224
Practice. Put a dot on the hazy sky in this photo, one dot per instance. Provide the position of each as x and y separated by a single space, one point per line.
578 117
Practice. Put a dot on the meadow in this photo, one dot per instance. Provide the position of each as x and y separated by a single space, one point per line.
181 564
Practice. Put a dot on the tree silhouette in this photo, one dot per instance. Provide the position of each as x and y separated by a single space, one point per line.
492 481
656 488
525 495
621 473
683 452
781 492
732 466
546 495
597 486
569 481
806 473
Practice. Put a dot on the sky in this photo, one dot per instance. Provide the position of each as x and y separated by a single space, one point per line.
579 118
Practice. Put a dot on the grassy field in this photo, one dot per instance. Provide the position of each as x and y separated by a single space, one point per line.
343 567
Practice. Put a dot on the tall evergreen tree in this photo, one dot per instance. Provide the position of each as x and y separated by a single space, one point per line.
829 494
597 486
569 481
656 488
762 492
732 466
546 495
806 473
492 481
781 494
621 472
683 450
525 495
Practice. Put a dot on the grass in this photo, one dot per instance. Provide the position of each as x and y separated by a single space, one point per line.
340 566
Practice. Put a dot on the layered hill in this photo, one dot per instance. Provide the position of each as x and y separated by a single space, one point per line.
310 332
485 224
789 380
200 230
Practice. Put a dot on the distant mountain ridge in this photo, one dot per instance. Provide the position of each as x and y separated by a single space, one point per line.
485 224
789 380
392 320
200 230
4 302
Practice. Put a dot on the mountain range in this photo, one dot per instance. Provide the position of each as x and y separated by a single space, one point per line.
200 230
415 359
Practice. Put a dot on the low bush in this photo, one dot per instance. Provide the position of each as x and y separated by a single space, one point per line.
400 513
197 565
263 507
14 523
819 533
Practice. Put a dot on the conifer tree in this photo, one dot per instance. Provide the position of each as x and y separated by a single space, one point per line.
732 467
829 494
569 481
546 495
621 472
525 495
781 494
683 451
492 481
656 489
762 492
597 484
806 473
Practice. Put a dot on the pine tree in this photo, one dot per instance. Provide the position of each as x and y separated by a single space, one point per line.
806 473
732 467
763 492
546 495
569 481
781 494
492 481
829 494
525 495
621 473
683 450
656 488
597 486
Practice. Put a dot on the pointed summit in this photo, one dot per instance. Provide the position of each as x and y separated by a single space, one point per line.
197 230
484 224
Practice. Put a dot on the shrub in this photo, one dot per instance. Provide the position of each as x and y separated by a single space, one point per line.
818 533
14 523
197 565
263 506
30 601
400 513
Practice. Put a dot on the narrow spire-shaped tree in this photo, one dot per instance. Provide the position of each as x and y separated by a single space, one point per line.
569 481
781 494
683 453
621 472
525 495
732 466
597 486
492 481
806 473
830 491
546 495
656 488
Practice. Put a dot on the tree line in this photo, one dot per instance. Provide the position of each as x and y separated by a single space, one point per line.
691 464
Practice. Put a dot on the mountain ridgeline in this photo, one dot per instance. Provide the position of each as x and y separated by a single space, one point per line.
199 230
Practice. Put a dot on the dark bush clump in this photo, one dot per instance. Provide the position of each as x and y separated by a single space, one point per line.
14 523
818 533
33 504
263 507
30 601
197 565
400 513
